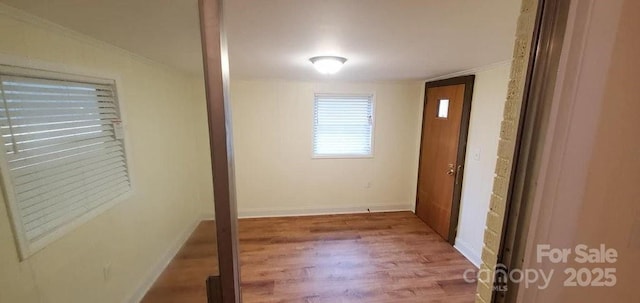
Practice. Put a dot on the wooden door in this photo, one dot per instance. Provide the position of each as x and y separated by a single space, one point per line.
444 133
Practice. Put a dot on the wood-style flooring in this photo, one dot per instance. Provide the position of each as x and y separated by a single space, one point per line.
380 257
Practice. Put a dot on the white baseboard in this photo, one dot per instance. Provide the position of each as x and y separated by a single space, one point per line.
467 252
290 212
207 217
152 275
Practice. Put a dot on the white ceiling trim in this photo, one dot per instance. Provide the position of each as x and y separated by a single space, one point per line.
471 71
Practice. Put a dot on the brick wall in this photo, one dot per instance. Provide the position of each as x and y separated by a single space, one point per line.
506 145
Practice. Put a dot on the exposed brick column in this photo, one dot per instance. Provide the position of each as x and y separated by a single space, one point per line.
506 145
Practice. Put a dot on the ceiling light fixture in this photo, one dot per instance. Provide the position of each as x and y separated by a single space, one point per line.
328 64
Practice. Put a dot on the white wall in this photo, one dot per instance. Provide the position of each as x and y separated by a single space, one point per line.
276 175
489 95
164 120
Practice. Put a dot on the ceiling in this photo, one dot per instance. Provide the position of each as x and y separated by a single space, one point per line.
382 39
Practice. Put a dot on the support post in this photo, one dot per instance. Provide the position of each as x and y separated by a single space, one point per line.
216 74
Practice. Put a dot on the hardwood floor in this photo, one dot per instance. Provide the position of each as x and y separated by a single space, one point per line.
184 278
381 257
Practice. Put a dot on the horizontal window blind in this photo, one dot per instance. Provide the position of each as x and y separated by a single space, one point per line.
343 125
63 150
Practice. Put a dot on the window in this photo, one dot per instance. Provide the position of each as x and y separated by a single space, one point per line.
443 108
343 126
64 157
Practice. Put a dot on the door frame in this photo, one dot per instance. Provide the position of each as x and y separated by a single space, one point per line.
550 28
468 82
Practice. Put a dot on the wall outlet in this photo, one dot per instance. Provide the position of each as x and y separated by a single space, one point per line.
476 154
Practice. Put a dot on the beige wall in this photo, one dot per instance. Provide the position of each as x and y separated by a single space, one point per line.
276 175
590 193
164 121
611 207
202 160
489 95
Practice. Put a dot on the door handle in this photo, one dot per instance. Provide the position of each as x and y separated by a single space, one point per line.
452 170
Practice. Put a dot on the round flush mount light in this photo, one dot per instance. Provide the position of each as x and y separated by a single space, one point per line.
328 64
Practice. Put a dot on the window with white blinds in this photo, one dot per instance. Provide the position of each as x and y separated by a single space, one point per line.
343 126
64 154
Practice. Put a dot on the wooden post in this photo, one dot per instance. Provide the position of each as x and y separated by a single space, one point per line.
216 73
